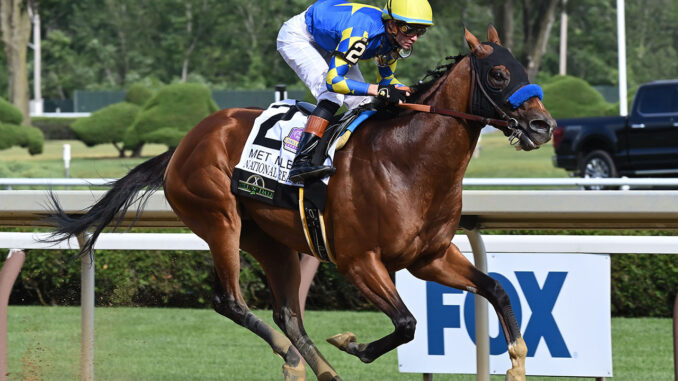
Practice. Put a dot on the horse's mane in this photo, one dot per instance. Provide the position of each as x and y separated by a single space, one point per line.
425 84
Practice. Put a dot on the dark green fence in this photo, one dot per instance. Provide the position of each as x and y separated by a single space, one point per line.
90 101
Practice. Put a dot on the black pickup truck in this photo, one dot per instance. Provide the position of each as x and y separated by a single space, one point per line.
644 144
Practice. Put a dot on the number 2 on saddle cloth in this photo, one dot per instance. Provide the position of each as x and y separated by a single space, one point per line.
263 169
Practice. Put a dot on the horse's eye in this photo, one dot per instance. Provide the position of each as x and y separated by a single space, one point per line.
498 79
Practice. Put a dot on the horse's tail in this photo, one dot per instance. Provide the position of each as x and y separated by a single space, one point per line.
113 205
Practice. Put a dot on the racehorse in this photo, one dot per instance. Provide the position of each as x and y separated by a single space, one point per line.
394 203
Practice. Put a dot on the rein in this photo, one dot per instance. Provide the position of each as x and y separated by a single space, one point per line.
509 126
456 114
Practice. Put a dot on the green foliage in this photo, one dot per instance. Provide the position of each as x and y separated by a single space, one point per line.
23 136
55 128
124 278
170 114
92 44
138 94
570 97
9 113
644 285
173 279
108 125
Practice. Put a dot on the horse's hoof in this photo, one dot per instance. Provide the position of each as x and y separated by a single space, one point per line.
294 373
342 340
515 375
517 352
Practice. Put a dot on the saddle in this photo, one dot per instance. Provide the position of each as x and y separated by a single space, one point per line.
262 172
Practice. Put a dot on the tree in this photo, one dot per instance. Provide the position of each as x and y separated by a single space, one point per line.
13 134
27 137
16 31
538 17
110 124
107 125
170 114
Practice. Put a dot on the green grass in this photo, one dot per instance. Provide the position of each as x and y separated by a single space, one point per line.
87 162
497 159
184 344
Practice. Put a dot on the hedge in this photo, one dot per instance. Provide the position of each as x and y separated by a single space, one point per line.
138 94
170 114
107 125
9 113
571 97
170 279
55 128
23 136
642 285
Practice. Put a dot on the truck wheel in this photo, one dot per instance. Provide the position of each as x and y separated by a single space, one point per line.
597 164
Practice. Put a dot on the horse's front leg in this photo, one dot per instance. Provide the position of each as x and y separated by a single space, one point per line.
370 276
454 270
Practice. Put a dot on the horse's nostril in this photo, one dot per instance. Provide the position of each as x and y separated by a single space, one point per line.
539 125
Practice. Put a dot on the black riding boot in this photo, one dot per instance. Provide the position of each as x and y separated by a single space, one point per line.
302 167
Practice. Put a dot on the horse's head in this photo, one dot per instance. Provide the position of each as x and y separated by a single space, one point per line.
503 90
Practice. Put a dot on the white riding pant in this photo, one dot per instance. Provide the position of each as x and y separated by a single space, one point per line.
311 62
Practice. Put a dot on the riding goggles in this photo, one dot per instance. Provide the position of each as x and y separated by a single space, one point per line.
410 31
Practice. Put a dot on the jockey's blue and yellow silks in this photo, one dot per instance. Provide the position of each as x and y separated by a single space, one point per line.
353 32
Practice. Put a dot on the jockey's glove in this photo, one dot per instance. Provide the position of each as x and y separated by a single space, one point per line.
392 94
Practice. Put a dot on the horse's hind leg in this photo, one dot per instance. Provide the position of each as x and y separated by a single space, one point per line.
220 227
454 270
228 301
281 265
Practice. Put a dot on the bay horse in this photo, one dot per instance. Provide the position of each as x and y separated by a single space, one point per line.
394 203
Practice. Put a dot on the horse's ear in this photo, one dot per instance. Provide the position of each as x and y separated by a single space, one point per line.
472 41
477 48
492 35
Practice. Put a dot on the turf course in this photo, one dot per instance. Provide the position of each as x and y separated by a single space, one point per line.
184 344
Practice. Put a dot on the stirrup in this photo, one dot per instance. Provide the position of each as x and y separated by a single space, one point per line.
305 173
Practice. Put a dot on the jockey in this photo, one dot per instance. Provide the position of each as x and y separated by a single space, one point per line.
323 46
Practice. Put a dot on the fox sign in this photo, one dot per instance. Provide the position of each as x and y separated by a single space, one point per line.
561 302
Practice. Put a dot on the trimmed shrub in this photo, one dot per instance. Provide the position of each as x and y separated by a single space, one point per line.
124 278
168 279
571 97
9 113
107 125
23 136
55 128
170 114
644 285
138 94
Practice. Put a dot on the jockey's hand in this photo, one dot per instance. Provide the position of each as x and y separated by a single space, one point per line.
392 94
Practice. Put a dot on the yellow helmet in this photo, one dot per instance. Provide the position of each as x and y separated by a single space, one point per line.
409 11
